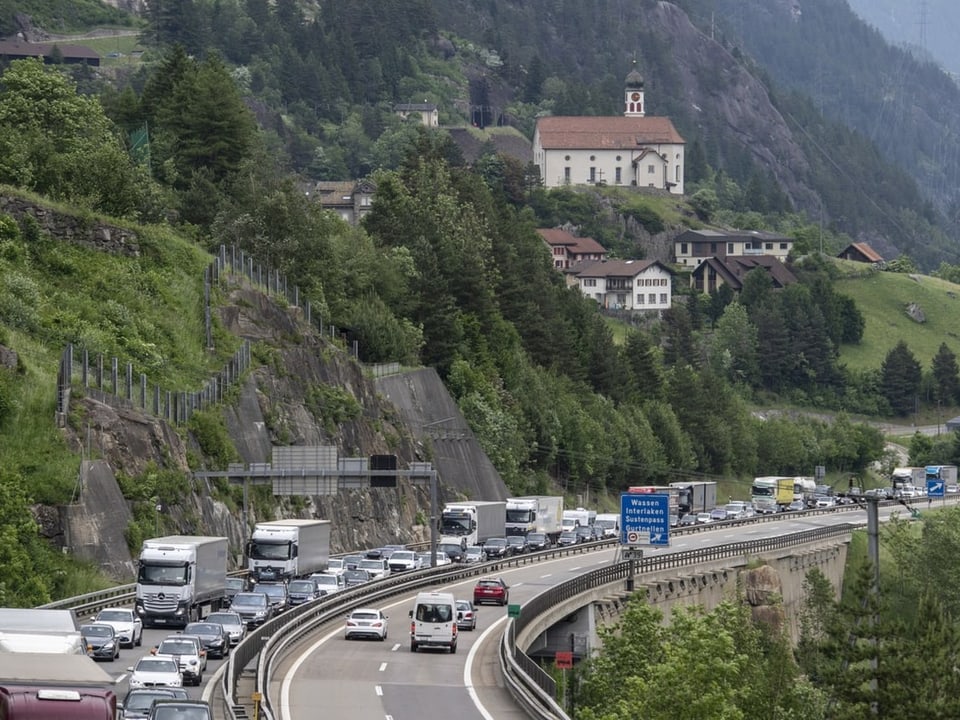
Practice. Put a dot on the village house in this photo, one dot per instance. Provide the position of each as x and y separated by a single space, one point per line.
861 252
632 150
18 49
638 285
692 247
566 250
713 272
350 199
426 112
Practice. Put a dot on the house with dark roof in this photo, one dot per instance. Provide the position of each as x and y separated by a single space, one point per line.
861 252
427 112
18 49
566 249
629 150
713 272
637 285
350 199
693 247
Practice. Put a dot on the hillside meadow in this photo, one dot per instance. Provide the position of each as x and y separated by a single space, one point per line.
883 298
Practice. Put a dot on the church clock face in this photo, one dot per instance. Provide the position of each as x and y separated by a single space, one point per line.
635 96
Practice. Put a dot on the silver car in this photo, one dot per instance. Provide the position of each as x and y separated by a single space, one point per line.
231 623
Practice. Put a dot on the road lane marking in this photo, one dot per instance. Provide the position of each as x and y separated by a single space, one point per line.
383 666
468 669
545 576
574 568
395 647
379 690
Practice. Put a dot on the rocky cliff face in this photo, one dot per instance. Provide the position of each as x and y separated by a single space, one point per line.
303 390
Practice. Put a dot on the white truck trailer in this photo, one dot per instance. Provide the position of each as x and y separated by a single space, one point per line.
580 517
535 514
281 550
695 496
40 630
473 522
180 579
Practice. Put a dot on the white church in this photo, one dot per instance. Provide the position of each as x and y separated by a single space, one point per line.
632 150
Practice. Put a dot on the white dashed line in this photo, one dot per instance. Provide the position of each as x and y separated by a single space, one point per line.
545 576
395 647
379 690
383 666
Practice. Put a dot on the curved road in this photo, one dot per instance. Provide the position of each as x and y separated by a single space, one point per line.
370 679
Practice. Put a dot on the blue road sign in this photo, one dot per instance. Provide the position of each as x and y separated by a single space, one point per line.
935 488
645 519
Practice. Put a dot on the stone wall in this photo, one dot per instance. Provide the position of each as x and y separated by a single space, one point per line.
73 228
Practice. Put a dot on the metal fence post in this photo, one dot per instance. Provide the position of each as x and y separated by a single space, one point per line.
115 375
128 381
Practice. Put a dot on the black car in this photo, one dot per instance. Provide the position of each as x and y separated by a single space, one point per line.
538 541
301 591
101 641
567 538
254 608
277 592
180 710
495 548
214 638
137 703
352 578
235 585
585 533
688 520
518 543
454 551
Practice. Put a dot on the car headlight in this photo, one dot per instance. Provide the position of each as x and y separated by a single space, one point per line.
109 646
194 662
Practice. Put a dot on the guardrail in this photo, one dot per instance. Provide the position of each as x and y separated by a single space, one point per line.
529 683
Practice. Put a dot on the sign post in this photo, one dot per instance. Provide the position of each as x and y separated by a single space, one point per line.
645 519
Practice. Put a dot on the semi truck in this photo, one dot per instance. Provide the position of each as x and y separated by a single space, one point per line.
673 503
180 579
608 524
473 522
579 517
281 550
36 686
40 630
771 493
695 497
912 477
947 474
805 490
535 514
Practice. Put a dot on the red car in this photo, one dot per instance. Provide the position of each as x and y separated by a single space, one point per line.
493 590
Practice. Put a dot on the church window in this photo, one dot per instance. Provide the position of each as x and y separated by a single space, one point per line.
651 169
618 178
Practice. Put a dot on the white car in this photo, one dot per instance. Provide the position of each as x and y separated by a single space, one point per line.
329 583
152 671
401 560
378 568
125 623
188 652
336 566
232 624
366 622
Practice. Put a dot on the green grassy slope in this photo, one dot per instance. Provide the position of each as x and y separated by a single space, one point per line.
883 298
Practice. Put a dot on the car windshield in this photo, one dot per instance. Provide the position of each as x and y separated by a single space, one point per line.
224 619
536 537
96 631
157 665
325 580
335 564
371 565
115 616
253 600
363 615
191 712
301 586
273 591
568 534
202 629
496 542
463 605
177 647
403 555
234 583
356 575
143 700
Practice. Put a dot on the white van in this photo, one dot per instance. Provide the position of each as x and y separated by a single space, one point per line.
433 621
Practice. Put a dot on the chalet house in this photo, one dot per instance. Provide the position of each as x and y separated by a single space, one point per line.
861 252
639 285
350 199
427 112
713 272
18 49
632 150
567 250
694 246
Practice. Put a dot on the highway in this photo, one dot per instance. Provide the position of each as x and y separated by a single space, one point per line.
370 679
